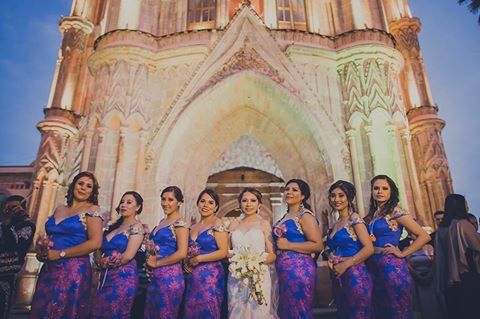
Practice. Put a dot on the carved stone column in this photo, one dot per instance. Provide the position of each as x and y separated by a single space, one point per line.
140 166
430 157
405 30
412 172
67 89
57 129
392 134
351 135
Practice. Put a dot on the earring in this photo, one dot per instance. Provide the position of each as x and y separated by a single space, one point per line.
258 211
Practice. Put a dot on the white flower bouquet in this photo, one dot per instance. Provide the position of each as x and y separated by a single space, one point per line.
247 265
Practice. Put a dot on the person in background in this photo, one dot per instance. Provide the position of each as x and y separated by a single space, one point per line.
438 217
16 235
473 219
457 251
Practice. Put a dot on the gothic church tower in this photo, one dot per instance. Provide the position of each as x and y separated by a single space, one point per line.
196 93
230 93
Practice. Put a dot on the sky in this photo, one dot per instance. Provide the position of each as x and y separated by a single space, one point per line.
450 43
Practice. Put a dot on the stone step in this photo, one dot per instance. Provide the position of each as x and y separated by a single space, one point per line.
320 313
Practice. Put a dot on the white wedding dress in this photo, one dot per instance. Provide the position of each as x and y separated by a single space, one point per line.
239 305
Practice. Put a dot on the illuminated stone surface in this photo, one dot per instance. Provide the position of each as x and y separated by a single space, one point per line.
146 96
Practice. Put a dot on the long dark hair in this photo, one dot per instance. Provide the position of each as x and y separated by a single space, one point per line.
390 204
93 196
251 190
304 190
455 208
212 194
118 223
349 190
177 192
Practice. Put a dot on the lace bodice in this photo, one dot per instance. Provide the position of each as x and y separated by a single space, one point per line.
253 237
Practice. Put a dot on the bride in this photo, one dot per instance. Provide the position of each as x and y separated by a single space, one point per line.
255 232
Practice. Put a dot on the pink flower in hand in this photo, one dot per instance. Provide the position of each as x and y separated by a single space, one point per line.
280 230
151 248
193 250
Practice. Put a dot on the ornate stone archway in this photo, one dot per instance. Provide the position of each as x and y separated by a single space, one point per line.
264 110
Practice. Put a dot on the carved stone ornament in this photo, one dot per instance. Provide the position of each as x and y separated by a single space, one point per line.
247 58
247 152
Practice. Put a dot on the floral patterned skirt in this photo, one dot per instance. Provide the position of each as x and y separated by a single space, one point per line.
353 293
205 291
296 279
165 292
392 287
116 293
63 289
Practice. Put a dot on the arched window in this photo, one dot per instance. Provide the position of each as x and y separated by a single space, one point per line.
201 13
291 14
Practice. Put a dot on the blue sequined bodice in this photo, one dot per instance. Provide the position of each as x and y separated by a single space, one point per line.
386 229
344 243
206 241
166 239
69 232
118 243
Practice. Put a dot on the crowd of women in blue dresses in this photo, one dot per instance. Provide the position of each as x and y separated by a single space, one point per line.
188 267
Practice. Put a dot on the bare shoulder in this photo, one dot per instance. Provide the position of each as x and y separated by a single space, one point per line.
308 217
355 216
265 225
233 225
218 222
94 208
62 209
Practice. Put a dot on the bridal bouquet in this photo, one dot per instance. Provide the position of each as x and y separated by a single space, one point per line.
247 265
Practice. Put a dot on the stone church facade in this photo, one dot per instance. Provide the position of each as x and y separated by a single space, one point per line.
229 93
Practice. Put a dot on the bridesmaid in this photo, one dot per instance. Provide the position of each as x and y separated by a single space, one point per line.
206 283
392 283
165 291
350 244
119 278
298 238
63 287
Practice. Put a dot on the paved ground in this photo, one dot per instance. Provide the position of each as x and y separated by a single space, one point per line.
319 313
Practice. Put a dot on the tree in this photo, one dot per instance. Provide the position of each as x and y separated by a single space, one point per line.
473 6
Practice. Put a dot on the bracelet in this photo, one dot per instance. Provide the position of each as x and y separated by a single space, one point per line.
354 261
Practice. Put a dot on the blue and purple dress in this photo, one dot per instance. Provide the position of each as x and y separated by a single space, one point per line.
296 273
63 287
206 284
353 290
167 284
117 286
392 283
